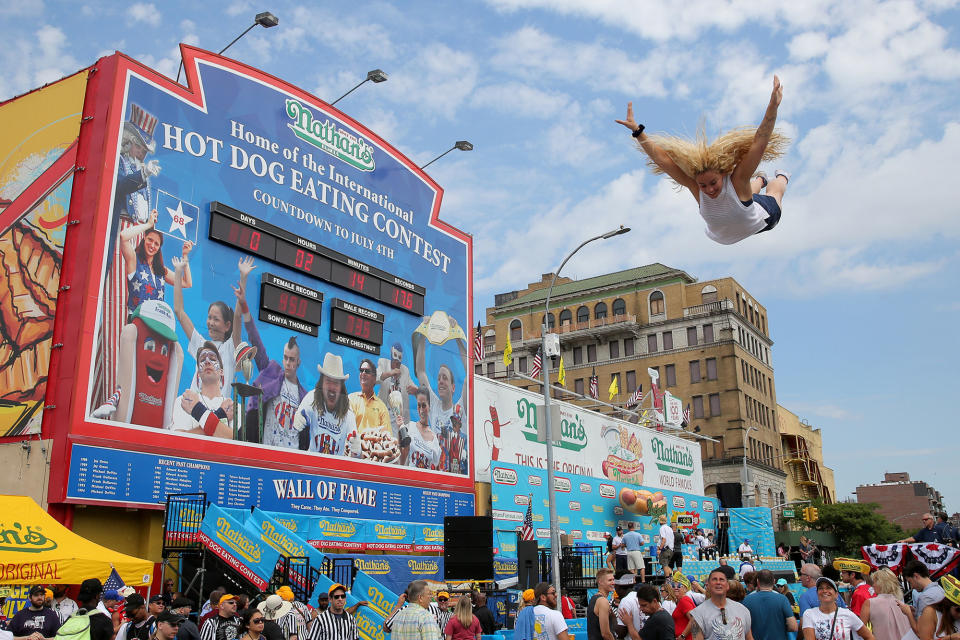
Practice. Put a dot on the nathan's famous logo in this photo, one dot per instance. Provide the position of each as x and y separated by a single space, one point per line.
573 436
373 567
508 567
432 534
26 539
289 523
504 476
673 458
328 137
423 566
337 529
281 541
390 531
368 629
234 539
377 599
189 517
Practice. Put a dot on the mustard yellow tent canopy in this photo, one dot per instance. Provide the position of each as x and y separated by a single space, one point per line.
35 548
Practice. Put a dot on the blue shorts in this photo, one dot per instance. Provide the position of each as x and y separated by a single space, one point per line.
769 204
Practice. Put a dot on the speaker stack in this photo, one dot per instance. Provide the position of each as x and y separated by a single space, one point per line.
468 548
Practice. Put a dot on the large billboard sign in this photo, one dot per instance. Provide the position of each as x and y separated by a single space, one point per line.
269 281
587 444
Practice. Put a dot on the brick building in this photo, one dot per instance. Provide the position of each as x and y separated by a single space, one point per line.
709 341
902 500
808 477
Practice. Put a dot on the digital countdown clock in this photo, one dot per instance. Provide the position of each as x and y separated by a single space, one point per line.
291 300
252 235
356 327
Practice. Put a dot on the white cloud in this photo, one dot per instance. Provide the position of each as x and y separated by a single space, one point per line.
438 79
808 45
521 100
144 12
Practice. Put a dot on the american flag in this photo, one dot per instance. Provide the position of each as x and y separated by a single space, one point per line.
636 397
526 531
478 345
686 415
537 363
114 581
594 385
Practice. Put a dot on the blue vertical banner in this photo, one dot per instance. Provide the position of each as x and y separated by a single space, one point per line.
756 525
381 599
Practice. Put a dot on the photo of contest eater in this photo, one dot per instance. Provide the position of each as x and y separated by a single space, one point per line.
143 266
721 175
325 412
447 409
205 411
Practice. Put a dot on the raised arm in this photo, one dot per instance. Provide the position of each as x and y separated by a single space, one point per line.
659 156
187 278
243 311
751 160
185 322
128 246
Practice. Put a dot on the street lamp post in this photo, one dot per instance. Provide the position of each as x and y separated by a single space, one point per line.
545 379
264 19
375 76
746 440
463 145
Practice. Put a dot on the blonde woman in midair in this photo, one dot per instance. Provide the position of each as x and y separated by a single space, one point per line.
722 175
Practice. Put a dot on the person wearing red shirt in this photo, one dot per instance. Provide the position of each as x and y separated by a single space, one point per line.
568 607
682 620
852 572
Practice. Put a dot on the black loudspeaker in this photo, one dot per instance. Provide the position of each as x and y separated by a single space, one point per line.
528 571
730 495
468 548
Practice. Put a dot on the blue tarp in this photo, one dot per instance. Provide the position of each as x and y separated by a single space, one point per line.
756 525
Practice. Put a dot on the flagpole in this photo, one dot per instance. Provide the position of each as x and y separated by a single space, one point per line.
545 376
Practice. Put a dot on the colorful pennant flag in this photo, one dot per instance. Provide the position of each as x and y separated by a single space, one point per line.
562 374
508 353
614 389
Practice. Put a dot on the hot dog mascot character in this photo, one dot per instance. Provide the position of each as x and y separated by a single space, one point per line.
149 366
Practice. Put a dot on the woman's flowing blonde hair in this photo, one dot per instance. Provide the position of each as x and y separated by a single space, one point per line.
464 611
721 155
884 581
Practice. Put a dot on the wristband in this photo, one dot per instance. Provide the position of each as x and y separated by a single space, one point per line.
210 423
220 413
636 132
197 412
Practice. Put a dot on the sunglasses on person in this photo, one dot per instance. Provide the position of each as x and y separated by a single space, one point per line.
340 596
257 621
367 370
441 599
723 615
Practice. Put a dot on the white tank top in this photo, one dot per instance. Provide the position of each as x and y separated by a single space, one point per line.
728 220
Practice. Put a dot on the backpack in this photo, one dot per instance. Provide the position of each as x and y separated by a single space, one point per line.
77 626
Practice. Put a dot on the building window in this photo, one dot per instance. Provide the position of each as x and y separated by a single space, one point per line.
551 321
708 294
691 336
600 311
631 381
578 355
490 369
583 315
591 353
516 331
510 368
667 340
614 349
694 371
707 333
652 343
619 307
656 303
489 343
670 372
578 386
711 368
522 365
478 369
714 404
628 347
566 317
697 406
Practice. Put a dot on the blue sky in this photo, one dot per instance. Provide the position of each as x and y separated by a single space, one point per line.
860 276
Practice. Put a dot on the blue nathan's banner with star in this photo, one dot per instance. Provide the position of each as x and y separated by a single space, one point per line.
272 282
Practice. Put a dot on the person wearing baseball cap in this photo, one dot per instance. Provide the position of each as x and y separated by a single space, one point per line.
619 551
841 622
36 620
226 624
188 628
783 589
139 621
156 605
336 623
168 625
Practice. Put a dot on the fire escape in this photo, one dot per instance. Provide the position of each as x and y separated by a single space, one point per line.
804 469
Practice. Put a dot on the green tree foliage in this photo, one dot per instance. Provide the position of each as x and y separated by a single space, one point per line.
853 524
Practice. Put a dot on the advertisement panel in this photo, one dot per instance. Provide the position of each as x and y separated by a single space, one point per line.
587 508
271 282
589 444
37 158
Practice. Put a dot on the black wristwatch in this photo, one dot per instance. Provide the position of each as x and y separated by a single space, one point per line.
636 132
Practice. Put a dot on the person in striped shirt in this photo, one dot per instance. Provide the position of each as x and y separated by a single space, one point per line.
336 623
226 624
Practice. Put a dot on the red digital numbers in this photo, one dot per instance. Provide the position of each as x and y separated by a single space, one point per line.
293 305
304 260
244 236
357 280
402 298
358 327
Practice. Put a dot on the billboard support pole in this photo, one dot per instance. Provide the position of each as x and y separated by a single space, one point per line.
545 375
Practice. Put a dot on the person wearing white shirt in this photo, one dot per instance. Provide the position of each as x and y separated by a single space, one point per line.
665 546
